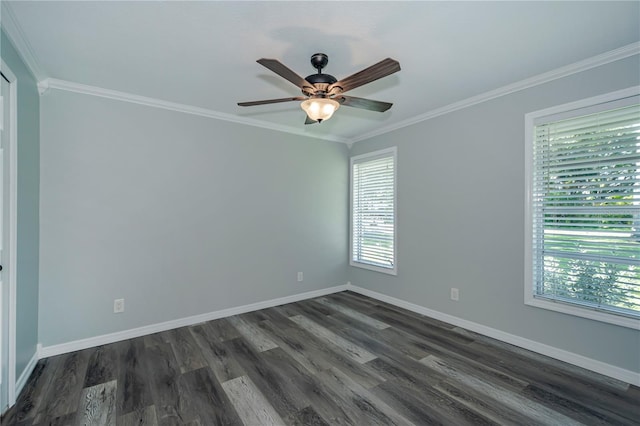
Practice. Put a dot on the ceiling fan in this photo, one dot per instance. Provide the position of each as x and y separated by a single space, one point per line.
323 92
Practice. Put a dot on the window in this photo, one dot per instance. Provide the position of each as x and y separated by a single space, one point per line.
583 208
373 211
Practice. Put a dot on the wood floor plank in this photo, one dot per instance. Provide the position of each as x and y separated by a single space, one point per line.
361 298
307 417
282 396
538 413
405 343
355 352
586 378
253 317
294 377
407 403
207 399
35 391
163 372
316 356
579 411
252 407
277 318
101 368
143 417
312 307
253 334
289 310
481 403
561 382
354 303
512 368
97 405
222 330
297 344
412 373
370 321
407 380
133 392
504 349
223 366
315 392
64 420
316 312
363 406
186 350
481 360
64 390
430 407
392 310
360 334
154 339
486 373
8 417
422 329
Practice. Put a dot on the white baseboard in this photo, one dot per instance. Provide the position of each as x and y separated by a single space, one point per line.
600 367
24 376
47 351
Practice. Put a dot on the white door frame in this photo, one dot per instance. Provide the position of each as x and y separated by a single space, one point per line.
11 263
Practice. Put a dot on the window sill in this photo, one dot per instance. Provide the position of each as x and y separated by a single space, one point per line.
362 265
583 312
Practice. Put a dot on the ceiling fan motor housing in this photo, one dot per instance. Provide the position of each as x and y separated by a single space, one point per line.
320 81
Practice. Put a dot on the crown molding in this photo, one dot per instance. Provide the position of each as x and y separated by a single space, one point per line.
16 35
584 65
52 83
43 86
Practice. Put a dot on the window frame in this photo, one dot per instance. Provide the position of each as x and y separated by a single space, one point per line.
392 152
532 119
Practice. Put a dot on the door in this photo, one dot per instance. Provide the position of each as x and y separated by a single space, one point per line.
5 292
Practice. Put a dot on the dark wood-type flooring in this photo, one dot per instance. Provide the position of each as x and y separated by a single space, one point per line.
342 359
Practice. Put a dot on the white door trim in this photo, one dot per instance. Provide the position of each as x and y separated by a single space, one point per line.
10 277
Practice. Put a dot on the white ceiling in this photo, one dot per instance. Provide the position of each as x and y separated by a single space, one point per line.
203 54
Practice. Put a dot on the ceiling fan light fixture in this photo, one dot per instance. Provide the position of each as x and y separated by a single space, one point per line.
320 109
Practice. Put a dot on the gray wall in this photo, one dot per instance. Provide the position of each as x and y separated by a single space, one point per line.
27 206
178 214
461 218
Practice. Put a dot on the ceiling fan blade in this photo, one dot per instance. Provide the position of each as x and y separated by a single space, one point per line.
369 104
271 101
309 121
284 72
374 72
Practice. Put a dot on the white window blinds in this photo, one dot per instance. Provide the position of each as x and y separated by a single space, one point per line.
373 211
586 209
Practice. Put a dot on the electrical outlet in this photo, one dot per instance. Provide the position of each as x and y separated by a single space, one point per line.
300 277
118 306
455 294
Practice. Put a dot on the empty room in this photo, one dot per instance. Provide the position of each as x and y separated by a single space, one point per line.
320 213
